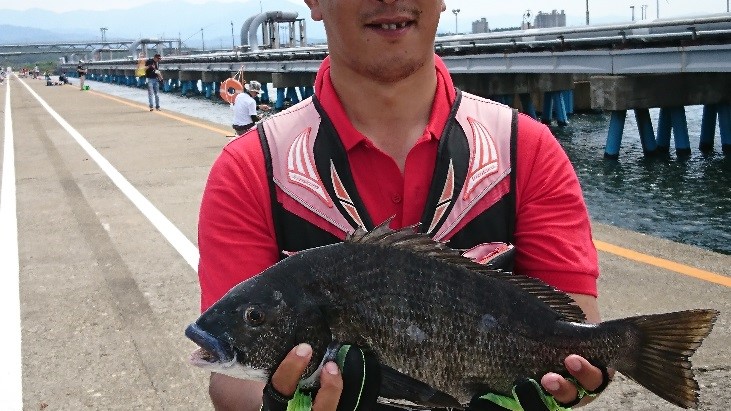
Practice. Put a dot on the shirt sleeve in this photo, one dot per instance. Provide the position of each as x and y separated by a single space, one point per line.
251 107
235 230
552 233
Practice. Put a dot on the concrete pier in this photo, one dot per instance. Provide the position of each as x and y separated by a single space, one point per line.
105 294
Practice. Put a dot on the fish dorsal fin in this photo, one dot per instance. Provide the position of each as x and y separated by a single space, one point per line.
408 238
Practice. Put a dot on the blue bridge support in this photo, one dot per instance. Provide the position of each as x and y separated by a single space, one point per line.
724 122
528 107
673 119
671 123
708 127
647 131
616 131
554 102
208 89
189 87
284 94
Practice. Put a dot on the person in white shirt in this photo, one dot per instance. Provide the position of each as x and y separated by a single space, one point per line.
245 108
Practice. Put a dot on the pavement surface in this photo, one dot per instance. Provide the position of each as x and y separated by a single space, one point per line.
105 295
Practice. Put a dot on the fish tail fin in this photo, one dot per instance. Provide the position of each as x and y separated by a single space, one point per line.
667 341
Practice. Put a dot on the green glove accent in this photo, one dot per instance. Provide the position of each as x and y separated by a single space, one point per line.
340 360
300 402
514 404
582 392
508 403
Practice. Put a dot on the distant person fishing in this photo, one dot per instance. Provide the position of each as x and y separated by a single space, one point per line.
154 77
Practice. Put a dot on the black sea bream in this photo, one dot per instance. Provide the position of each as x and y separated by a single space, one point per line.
444 328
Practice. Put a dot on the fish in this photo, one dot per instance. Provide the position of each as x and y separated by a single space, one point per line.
444 328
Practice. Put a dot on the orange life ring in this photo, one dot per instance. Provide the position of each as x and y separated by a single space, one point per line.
226 87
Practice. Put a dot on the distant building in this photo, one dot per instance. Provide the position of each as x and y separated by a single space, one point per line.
480 26
554 19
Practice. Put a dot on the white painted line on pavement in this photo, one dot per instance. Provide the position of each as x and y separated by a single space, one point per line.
11 376
171 233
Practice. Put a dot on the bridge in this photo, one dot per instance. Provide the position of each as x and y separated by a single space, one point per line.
635 66
73 51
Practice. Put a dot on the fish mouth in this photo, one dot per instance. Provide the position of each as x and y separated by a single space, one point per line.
212 349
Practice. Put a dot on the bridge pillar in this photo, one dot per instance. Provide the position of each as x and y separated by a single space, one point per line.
279 105
554 103
673 119
527 103
189 82
211 81
547 115
724 122
286 85
708 127
292 95
680 131
568 99
647 132
664 131
616 130
559 102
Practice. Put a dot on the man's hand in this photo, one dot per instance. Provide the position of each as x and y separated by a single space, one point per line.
349 383
287 376
556 393
564 391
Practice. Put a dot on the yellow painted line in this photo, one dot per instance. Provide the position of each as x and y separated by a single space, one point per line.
665 264
165 114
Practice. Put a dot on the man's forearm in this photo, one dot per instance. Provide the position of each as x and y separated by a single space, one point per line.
232 394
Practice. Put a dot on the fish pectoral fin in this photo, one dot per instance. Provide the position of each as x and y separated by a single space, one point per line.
399 387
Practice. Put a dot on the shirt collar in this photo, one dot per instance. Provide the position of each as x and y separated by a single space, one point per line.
444 98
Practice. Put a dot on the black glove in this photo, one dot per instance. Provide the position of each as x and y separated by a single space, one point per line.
528 395
361 374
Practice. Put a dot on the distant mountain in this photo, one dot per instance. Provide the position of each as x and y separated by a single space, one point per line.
164 19
24 35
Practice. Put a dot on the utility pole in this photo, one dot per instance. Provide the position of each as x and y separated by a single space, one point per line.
104 34
633 12
526 20
657 6
203 41
587 12
456 24
233 42
727 10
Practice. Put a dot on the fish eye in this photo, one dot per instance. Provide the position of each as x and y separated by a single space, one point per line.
254 316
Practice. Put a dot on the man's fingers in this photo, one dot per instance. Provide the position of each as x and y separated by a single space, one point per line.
290 371
331 386
589 376
564 391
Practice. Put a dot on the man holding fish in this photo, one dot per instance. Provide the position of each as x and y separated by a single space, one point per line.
403 144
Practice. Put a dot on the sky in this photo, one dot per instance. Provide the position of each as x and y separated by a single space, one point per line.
469 9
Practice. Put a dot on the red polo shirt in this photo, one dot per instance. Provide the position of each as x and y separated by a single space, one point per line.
552 234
